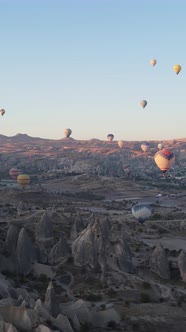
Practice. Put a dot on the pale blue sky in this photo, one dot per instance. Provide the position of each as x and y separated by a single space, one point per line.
84 65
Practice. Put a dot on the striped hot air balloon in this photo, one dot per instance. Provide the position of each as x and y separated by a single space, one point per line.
164 159
23 180
14 172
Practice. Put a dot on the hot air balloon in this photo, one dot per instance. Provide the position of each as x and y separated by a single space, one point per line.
120 144
143 103
2 111
145 147
67 132
14 172
153 62
164 159
110 137
141 212
23 180
177 69
160 146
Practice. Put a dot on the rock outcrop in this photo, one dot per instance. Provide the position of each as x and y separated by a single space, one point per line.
24 253
22 207
94 247
44 231
159 264
78 226
60 252
182 264
50 300
20 317
11 239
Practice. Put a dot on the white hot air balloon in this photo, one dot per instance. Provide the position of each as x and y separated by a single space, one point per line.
110 137
143 103
141 212
145 147
67 132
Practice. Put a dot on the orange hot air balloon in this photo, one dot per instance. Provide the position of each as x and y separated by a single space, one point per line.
153 62
121 144
177 69
14 172
23 180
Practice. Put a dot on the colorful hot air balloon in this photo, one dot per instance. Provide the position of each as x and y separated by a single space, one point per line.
164 159
143 103
141 212
67 132
145 147
2 111
160 146
177 69
14 172
23 180
153 62
120 144
110 137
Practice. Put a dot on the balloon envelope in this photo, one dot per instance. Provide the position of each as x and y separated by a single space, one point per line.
177 69
2 111
23 180
141 212
67 132
145 147
164 159
153 62
143 103
160 146
14 172
121 144
110 137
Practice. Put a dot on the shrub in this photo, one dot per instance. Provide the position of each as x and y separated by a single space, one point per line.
85 327
93 297
146 285
111 292
145 298
112 324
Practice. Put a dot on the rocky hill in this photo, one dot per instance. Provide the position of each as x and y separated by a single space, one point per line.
73 257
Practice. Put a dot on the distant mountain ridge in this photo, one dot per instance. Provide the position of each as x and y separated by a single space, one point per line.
25 137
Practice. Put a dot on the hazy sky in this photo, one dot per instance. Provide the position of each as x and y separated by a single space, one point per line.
84 65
